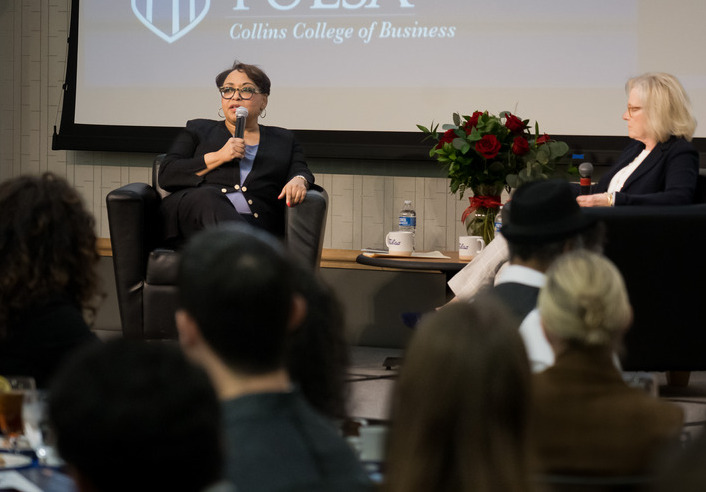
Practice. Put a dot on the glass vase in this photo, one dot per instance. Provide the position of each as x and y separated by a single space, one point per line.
479 217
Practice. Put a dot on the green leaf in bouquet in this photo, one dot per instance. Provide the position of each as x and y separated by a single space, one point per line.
475 135
543 154
557 149
512 180
496 167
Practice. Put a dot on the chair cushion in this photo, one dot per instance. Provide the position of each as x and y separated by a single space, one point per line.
162 267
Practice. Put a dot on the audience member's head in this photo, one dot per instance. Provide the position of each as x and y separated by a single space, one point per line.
136 416
317 356
545 221
47 245
237 287
584 301
459 413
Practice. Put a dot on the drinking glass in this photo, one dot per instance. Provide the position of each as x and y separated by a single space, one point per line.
37 429
12 390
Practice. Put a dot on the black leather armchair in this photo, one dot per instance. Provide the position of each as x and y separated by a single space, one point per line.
660 252
145 271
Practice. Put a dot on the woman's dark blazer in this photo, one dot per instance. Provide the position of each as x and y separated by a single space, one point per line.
668 175
279 158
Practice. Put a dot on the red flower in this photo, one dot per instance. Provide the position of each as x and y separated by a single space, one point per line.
472 122
447 137
543 139
520 146
513 123
488 146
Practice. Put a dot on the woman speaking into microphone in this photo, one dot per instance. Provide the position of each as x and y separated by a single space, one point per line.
233 170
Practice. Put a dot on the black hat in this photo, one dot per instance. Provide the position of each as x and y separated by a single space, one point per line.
544 211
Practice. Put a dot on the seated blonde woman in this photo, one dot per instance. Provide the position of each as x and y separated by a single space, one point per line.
585 419
460 406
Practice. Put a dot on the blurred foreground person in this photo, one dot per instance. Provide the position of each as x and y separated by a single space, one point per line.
238 305
686 472
586 420
137 416
459 413
317 352
48 281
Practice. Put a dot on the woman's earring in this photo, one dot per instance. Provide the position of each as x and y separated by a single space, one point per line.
220 113
263 113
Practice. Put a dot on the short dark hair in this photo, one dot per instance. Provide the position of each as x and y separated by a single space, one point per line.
254 73
128 415
545 252
236 282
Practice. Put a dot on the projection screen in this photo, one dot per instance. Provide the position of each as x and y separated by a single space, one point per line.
381 65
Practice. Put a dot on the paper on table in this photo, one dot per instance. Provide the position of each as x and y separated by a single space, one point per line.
430 254
416 254
12 480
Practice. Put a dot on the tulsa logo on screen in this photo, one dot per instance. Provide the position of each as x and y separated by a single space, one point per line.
172 19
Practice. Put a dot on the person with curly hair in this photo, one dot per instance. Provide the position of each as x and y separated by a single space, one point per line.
48 282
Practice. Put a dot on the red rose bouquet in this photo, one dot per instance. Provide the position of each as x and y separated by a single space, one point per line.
487 153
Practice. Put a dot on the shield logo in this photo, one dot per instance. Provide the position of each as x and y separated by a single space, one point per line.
170 19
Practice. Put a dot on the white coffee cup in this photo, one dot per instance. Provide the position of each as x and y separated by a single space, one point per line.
400 242
469 246
372 442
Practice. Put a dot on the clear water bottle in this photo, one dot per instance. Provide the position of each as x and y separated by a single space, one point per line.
499 220
408 218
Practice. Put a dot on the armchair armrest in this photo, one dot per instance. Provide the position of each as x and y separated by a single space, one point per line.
133 217
306 224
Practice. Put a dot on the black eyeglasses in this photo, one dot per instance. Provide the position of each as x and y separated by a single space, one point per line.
245 92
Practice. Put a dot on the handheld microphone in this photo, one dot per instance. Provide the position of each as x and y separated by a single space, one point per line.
241 114
585 172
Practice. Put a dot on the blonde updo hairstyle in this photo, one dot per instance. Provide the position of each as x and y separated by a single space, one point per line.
585 300
666 105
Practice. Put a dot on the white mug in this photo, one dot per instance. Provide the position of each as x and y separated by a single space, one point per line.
372 442
469 246
400 242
